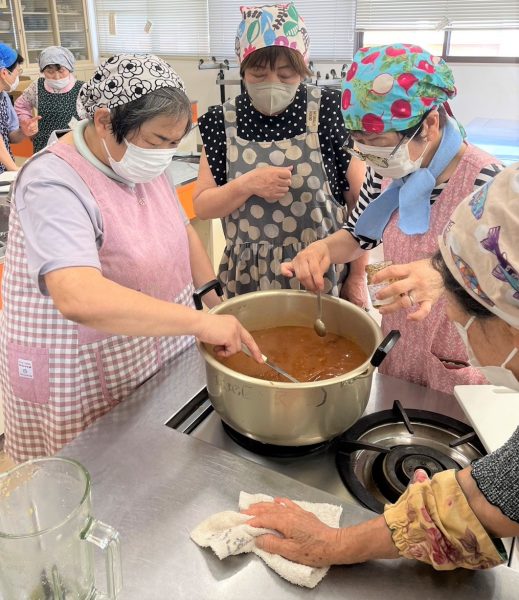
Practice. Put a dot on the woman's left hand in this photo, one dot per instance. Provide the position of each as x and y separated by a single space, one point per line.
419 285
355 290
305 540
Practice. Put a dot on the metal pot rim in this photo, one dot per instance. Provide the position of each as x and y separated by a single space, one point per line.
364 370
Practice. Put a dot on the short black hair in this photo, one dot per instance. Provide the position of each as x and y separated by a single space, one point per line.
19 60
469 304
164 101
270 55
442 113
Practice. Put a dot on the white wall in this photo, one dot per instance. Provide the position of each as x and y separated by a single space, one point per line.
486 90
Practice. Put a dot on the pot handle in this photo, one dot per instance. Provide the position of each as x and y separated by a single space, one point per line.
205 289
385 347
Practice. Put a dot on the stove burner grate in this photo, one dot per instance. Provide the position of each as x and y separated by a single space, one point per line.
393 471
272 450
377 457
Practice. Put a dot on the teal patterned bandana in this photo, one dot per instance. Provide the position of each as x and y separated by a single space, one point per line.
389 88
271 25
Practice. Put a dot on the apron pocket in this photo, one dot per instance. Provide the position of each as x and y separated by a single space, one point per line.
29 373
126 364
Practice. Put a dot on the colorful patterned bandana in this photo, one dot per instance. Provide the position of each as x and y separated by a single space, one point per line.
479 245
271 25
389 88
124 78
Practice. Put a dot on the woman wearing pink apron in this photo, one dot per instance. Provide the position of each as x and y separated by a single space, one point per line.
100 262
394 103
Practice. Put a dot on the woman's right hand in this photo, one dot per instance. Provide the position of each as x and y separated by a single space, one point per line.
269 183
227 335
309 265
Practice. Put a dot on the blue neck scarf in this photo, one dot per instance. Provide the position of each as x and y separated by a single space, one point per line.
411 195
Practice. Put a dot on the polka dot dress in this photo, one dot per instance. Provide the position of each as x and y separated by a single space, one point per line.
260 235
252 125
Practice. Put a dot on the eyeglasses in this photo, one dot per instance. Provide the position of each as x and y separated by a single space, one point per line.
379 161
17 69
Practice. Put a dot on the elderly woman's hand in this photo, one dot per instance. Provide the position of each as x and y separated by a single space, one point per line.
305 540
309 265
227 335
269 183
419 284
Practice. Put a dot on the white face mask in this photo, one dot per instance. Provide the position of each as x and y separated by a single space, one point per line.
140 165
271 98
399 165
58 84
14 85
494 374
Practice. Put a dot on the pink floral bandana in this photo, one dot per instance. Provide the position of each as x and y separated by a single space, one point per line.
479 245
271 25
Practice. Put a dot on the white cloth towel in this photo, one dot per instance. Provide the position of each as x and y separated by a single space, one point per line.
227 533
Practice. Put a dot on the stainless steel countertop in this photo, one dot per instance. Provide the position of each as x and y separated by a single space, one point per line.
154 485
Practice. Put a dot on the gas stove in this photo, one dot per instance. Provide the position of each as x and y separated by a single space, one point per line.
406 426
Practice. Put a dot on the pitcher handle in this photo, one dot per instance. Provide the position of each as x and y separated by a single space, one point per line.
107 538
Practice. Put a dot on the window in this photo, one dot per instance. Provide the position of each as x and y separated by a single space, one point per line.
455 28
166 27
494 42
208 27
431 40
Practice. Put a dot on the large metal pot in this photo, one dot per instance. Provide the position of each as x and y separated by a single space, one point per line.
294 414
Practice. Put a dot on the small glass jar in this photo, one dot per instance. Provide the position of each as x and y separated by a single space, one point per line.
374 288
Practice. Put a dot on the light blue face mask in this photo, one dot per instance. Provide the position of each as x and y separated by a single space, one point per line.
494 374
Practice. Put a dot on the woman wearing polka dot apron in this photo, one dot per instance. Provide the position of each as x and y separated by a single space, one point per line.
273 168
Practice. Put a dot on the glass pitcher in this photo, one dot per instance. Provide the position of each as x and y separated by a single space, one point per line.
47 533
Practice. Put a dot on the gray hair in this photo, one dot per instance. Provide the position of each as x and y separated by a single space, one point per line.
164 101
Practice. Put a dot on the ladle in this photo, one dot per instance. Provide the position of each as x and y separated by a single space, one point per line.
319 326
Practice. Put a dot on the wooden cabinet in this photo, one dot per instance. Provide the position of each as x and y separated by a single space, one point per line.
32 25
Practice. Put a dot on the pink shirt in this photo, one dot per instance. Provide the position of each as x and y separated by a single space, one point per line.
28 101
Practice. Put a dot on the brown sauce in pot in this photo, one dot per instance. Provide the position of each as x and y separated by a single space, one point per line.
301 353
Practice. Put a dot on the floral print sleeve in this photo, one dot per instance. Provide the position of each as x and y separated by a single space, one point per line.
433 522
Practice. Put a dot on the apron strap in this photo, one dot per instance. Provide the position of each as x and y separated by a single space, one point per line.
313 106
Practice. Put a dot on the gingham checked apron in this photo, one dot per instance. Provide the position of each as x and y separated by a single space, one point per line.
57 376
417 355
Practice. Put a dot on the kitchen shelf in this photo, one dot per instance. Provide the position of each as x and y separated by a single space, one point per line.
48 22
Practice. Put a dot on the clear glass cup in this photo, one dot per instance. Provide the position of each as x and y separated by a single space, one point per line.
48 533
374 288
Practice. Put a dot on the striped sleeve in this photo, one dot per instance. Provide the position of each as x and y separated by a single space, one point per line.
369 191
487 174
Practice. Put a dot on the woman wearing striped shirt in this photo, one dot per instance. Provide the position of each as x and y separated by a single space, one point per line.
394 104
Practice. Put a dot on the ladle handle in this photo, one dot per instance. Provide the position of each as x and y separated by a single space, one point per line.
385 347
246 351
205 289
107 538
